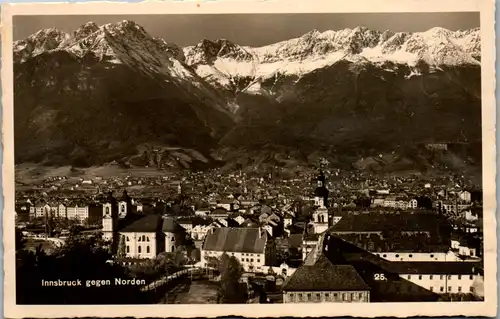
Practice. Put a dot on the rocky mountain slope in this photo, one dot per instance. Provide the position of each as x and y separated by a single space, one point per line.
102 92
112 92
234 67
355 91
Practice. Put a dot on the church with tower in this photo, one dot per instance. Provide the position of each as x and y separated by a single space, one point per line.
320 217
133 234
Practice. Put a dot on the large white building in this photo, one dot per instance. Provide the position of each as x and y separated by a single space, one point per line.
319 280
252 247
388 280
149 236
133 235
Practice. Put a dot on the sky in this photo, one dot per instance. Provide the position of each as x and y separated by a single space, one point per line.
251 29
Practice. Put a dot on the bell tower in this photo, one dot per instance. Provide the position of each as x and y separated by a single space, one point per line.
109 218
320 217
321 192
125 205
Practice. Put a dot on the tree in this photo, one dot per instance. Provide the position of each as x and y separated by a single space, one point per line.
230 290
121 252
164 263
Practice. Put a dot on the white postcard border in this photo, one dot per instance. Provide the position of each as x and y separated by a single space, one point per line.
486 308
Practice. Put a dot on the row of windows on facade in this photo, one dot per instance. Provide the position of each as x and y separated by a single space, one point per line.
249 260
142 238
122 209
139 249
417 288
232 254
450 289
410 255
397 255
459 277
328 297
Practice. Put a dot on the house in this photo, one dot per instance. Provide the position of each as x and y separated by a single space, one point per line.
202 212
309 241
374 279
253 247
466 245
186 223
226 222
39 210
287 220
219 212
77 211
465 196
269 228
274 217
239 219
318 280
377 202
390 201
441 277
200 231
228 204
61 211
375 223
413 204
406 280
138 207
263 217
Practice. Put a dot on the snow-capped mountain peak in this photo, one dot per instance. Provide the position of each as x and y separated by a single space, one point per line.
206 51
85 30
315 49
39 42
123 44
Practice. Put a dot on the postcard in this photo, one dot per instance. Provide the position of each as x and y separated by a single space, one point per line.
249 158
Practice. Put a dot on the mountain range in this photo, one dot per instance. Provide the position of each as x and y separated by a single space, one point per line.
115 93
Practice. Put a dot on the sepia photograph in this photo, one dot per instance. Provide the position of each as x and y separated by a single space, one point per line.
295 159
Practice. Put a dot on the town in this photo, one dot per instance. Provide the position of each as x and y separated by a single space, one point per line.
323 235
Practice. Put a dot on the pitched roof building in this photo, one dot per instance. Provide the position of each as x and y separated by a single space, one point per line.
253 247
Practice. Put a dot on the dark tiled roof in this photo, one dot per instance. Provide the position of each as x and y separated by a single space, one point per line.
376 222
434 268
325 276
295 240
245 240
171 226
148 223
402 243
361 259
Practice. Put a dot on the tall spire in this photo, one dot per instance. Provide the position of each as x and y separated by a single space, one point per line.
321 192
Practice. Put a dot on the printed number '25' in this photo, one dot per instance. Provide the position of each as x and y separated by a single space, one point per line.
379 277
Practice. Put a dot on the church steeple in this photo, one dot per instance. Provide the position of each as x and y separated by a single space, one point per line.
320 217
321 192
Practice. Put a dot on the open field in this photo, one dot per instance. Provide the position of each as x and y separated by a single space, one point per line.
30 173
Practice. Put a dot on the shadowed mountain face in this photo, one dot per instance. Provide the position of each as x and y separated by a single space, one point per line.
352 106
99 97
103 93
